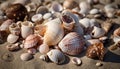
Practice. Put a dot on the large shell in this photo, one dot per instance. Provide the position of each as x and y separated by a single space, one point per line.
31 41
26 56
56 56
96 50
12 38
54 32
72 44
44 48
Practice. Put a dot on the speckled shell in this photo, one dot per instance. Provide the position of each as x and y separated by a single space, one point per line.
44 48
72 44
12 38
56 56
31 41
96 50
26 56
54 32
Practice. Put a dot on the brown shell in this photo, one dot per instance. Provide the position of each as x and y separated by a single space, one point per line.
117 32
16 12
96 50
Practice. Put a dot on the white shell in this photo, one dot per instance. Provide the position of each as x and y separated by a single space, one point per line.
87 37
76 61
44 48
12 38
72 44
26 56
98 64
92 41
94 11
47 15
54 32
116 39
44 58
56 56
85 22
97 32
36 17
26 29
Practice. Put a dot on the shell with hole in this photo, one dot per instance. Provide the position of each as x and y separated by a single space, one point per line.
56 56
72 44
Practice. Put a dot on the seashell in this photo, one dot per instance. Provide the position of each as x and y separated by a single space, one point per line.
32 50
68 22
44 58
5 25
40 29
31 41
26 56
47 16
16 12
116 32
87 37
4 5
99 64
44 48
42 10
72 44
103 38
85 22
26 28
31 7
92 41
56 7
13 47
76 61
116 36
70 4
12 38
56 56
37 18
23 2
93 1
14 29
96 50
54 32
94 11
97 32
93 23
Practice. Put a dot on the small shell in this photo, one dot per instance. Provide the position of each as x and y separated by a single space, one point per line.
12 38
56 7
14 29
85 22
47 16
24 2
87 37
94 11
97 32
44 58
36 18
98 64
26 56
117 32
44 48
13 47
92 41
72 44
96 50
93 1
76 61
56 56
32 50
42 10
31 41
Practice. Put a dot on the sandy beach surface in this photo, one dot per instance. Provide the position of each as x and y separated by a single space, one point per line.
11 60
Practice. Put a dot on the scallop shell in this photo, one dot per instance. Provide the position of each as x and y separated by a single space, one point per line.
56 56
14 29
96 50
56 7
72 44
37 18
32 51
76 61
94 11
12 38
31 41
26 56
54 32
42 10
44 48
97 32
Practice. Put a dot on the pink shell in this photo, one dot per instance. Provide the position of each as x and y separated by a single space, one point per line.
72 44
44 48
32 50
31 41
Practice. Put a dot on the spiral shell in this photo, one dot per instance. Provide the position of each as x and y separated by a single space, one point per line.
72 44
56 56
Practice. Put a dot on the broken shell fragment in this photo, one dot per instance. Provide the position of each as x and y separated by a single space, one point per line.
44 58
26 56
76 61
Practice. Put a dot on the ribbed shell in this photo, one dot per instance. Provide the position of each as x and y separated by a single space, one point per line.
72 44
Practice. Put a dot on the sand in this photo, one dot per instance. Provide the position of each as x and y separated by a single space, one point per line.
111 59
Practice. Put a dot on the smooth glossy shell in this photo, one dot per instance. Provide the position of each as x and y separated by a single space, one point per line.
26 56
12 38
36 17
72 44
44 48
56 56
31 41
76 61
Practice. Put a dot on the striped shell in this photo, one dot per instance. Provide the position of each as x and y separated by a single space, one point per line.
72 44
56 56
31 41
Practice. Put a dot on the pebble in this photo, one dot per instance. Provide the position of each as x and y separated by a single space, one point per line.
26 56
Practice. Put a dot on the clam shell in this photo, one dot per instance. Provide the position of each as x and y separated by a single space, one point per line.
72 44
56 56
26 56
54 32
37 18
76 61
42 10
85 22
97 32
12 38
44 48
94 11
31 41
117 32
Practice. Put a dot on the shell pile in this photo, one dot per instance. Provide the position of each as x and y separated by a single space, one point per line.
57 29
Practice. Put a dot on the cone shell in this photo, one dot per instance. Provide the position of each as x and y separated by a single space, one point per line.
12 38
31 41
56 56
72 44
96 50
